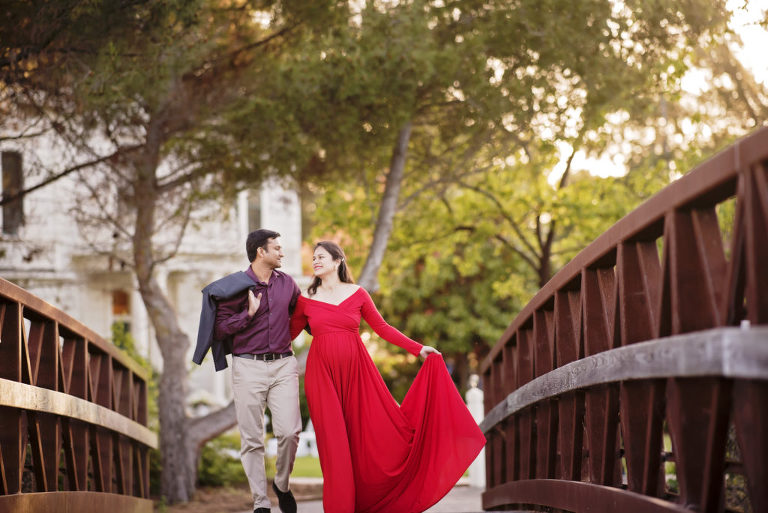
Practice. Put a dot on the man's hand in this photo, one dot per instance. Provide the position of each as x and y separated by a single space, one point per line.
253 303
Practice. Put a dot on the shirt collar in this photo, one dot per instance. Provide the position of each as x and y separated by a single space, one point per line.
252 275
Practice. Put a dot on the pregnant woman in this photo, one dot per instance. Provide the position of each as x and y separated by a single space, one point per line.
376 455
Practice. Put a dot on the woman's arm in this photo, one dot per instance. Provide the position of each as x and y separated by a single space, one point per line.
298 319
384 330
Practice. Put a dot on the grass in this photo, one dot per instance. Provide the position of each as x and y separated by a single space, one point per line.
305 466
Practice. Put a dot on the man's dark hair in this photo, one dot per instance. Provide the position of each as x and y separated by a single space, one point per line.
258 239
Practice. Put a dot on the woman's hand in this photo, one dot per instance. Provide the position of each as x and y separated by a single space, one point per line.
425 350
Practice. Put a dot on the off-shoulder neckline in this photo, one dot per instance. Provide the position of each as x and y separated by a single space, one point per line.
334 304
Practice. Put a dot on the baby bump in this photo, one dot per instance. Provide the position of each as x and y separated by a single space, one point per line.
334 347
333 358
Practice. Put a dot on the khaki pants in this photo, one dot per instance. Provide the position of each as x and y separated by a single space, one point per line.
256 384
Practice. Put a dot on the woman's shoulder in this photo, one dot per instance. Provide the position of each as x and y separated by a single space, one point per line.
359 293
353 289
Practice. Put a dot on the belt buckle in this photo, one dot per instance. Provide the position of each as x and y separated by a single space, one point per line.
269 357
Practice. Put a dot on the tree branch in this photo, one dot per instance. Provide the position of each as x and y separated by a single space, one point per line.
564 178
202 429
9 198
182 231
528 260
503 212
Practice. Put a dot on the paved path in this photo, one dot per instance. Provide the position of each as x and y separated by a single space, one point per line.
461 499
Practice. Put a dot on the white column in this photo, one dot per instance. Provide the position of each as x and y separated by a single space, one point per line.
474 398
242 215
281 212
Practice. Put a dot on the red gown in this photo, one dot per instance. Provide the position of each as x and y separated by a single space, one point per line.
376 455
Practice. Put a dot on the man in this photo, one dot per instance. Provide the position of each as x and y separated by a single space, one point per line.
248 313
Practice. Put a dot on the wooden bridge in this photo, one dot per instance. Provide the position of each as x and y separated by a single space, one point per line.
636 380
73 415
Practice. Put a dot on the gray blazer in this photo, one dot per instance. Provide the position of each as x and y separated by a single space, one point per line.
223 288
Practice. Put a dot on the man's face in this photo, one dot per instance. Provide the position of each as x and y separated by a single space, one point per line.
273 253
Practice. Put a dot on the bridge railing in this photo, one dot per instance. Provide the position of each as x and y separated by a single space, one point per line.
637 378
73 414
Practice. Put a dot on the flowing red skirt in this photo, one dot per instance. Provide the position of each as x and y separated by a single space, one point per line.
376 455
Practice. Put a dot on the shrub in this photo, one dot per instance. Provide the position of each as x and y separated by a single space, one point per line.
220 462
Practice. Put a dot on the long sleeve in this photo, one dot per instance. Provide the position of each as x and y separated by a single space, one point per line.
231 317
383 329
298 319
294 298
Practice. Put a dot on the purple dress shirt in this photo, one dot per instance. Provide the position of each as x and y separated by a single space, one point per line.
268 330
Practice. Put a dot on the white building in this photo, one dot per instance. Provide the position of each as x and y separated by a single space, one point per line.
42 250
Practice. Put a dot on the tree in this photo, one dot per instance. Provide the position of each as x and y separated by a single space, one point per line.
501 80
460 269
155 111
484 144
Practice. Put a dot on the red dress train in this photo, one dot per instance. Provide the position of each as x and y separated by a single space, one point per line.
376 455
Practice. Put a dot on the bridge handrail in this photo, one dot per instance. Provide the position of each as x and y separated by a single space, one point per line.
11 292
65 391
710 183
661 273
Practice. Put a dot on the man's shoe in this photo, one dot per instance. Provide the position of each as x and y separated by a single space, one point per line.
262 510
286 500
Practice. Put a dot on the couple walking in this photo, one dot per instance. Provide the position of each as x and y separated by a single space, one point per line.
375 455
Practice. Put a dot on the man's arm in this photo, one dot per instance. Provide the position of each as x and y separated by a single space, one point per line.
233 315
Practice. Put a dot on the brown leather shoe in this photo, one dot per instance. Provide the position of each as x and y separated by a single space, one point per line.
286 500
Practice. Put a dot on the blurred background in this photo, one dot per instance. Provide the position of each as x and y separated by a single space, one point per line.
460 151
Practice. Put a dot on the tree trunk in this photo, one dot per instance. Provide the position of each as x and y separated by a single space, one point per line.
368 276
202 429
177 478
461 370
180 437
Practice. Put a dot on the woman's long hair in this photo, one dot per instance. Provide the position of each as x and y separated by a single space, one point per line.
336 254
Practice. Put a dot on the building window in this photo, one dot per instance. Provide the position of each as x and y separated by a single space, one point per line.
13 183
120 303
254 210
121 310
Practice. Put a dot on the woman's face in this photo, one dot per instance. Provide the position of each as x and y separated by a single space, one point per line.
322 262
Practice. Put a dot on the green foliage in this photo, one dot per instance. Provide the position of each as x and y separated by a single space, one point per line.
303 406
220 463
461 265
487 214
125 341
155 471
